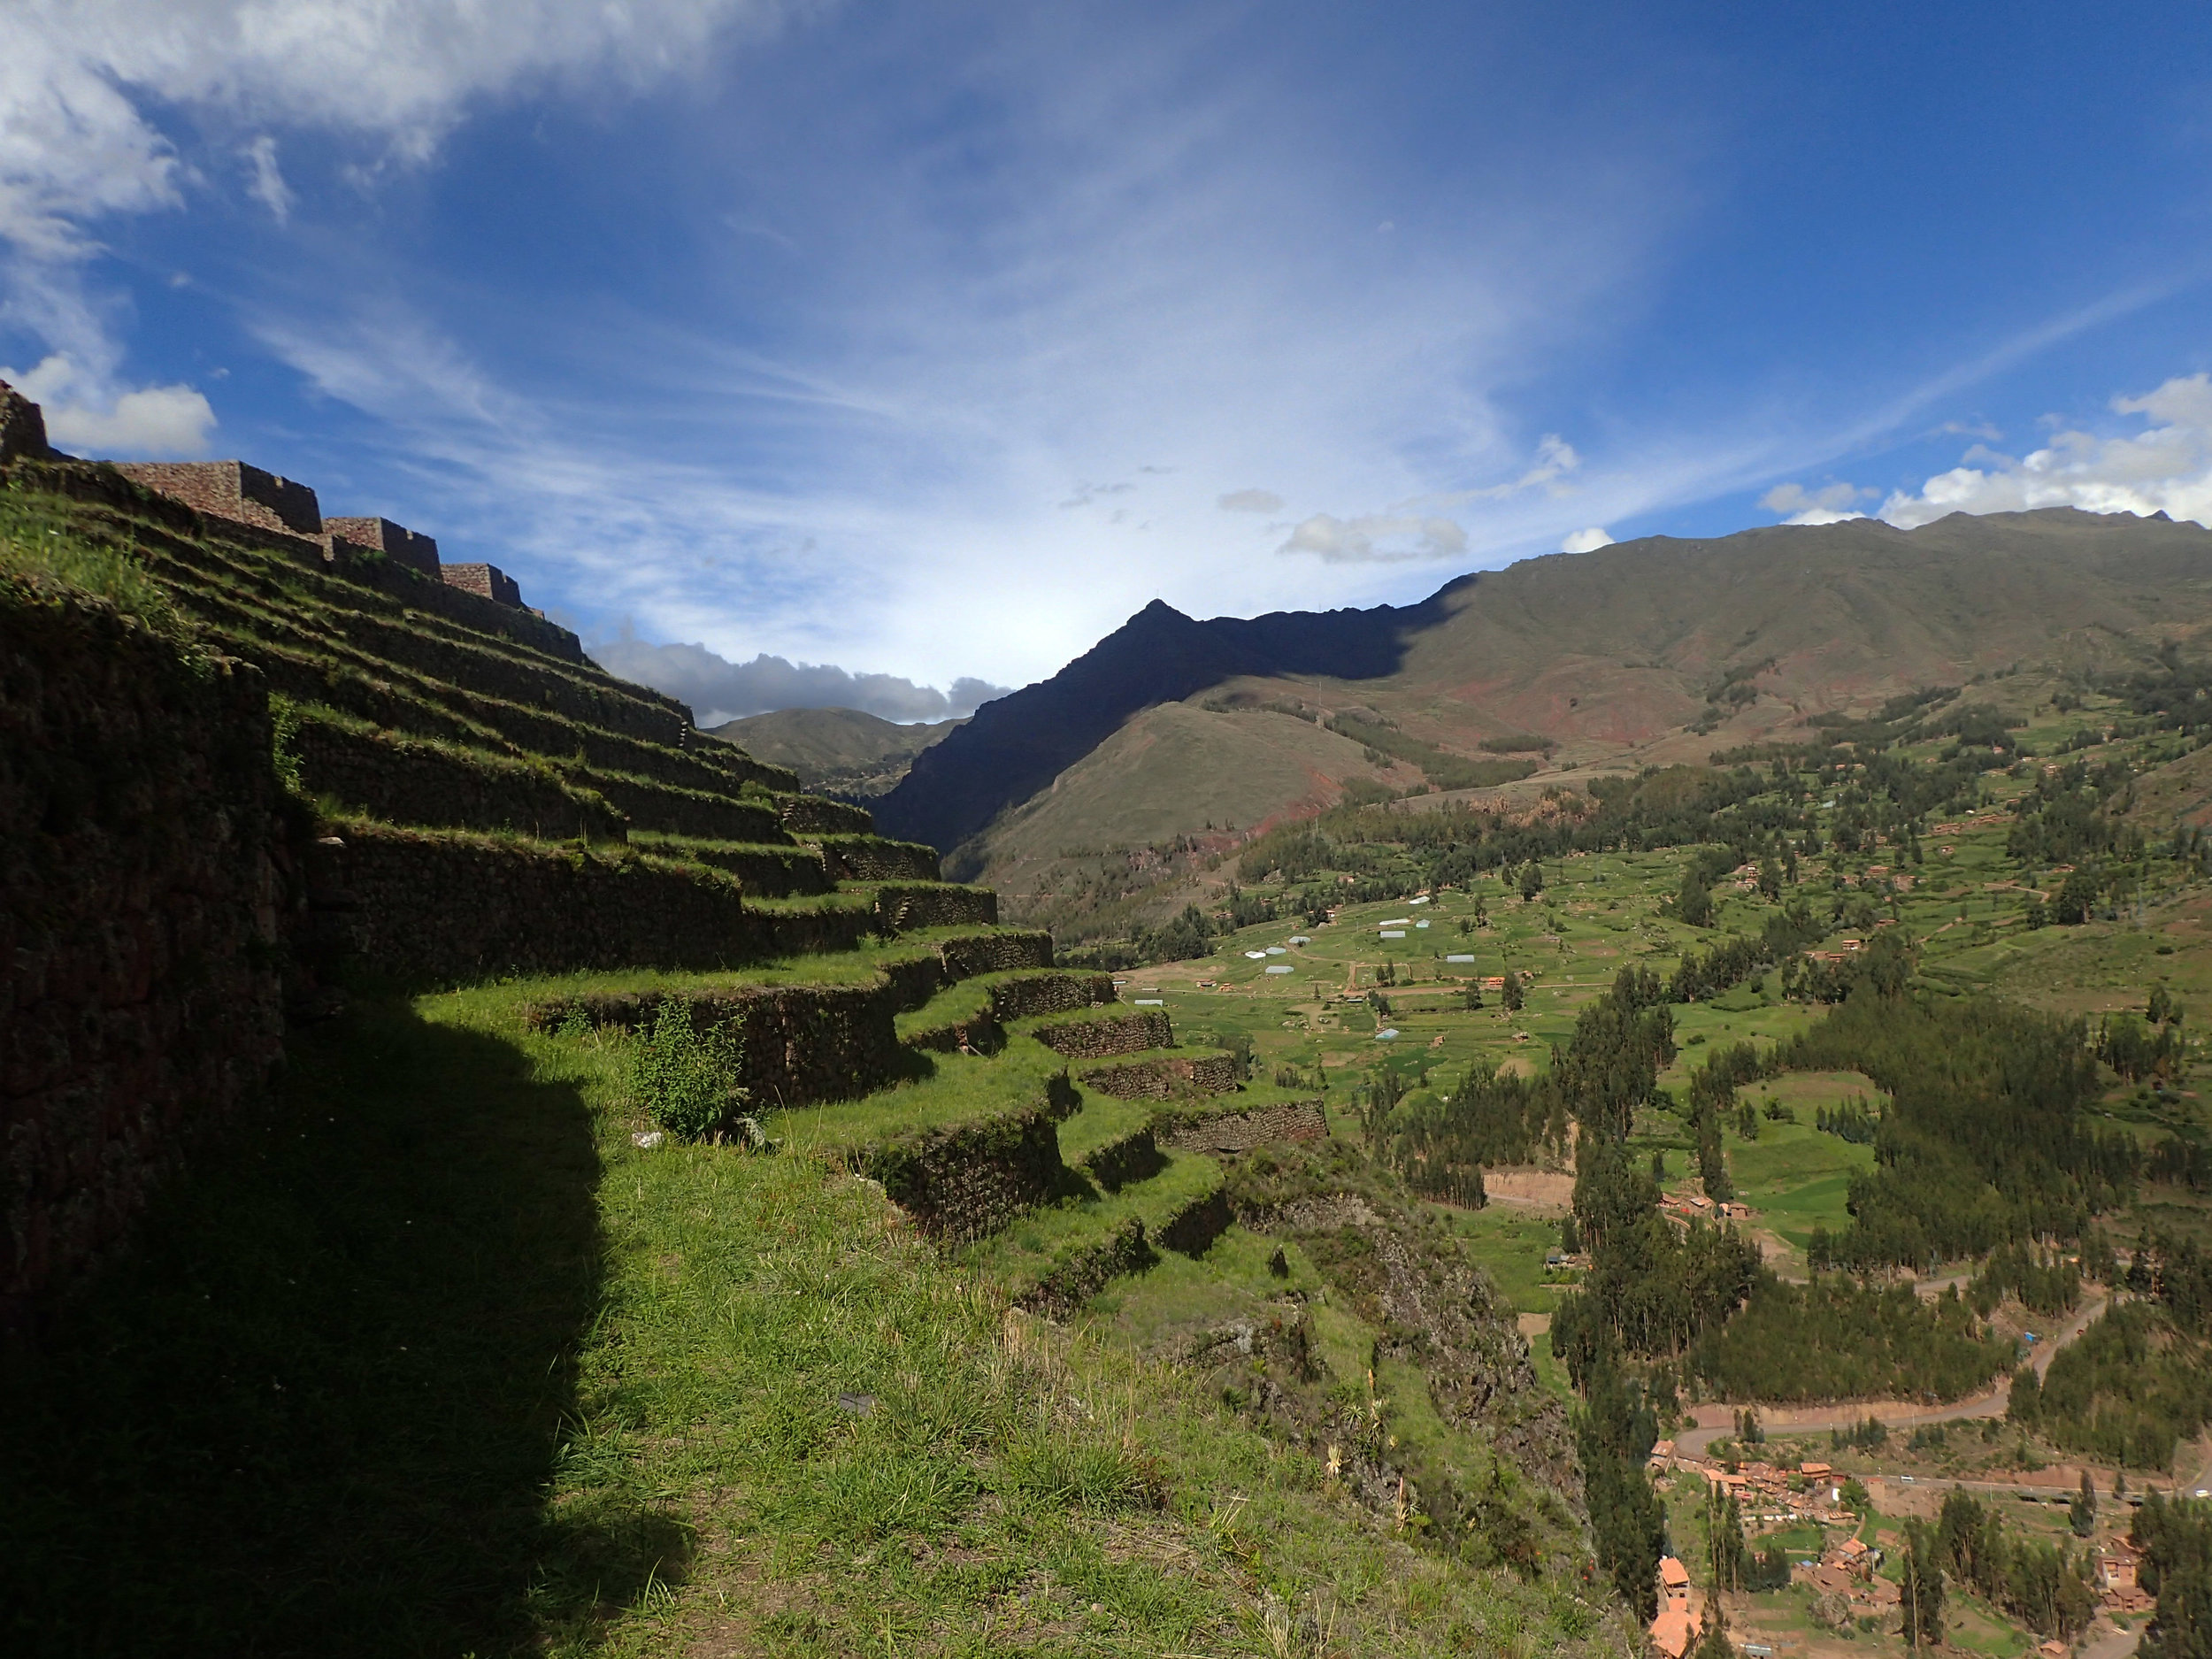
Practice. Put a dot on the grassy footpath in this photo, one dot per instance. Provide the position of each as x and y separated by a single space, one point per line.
429 1359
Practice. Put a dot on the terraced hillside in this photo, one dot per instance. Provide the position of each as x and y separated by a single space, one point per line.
461 1335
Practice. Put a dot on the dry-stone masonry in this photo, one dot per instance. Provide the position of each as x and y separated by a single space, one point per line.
419 552
487 581
22 428
232 489
1240 1131
139 993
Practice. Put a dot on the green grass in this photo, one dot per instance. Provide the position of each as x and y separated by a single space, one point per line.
1511 1245
1102 1121
1026 1252
960 1088
429 1358
848 967
39 542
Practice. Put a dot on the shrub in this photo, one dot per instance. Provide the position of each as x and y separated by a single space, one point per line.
685 1079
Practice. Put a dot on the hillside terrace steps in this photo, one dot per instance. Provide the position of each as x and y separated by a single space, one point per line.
550 721
478 759
103 484
261 603
300 643
977 1012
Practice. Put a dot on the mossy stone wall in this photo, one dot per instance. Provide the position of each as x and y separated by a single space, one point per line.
1133 1033
387 775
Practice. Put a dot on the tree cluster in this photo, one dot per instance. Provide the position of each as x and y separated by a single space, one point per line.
2129 1391
1984 1140
2049 1587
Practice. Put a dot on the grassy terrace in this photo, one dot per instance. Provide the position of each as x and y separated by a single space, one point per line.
847 967
430 1358
1023 1256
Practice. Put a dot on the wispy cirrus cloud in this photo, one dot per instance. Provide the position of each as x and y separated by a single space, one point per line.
88 92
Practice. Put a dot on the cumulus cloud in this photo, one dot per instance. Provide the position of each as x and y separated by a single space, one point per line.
718 689
1829 504
1377 537
1250 500
83 415
1587 541
2166 468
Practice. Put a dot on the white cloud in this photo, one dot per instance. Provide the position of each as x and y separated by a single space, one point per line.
85 415
1250 500
2166 468
1829 504
1587 541
268 187
718 689
1416 528
1377 537
82 82
76 141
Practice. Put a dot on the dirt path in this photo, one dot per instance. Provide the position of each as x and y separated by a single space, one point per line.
1716 1421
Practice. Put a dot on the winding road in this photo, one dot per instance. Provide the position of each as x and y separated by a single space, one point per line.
1714 1421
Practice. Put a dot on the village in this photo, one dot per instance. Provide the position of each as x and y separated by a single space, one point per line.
1843 1585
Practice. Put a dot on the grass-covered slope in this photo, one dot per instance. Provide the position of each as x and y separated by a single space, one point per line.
434 1359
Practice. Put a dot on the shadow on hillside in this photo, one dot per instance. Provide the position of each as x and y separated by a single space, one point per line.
317 1410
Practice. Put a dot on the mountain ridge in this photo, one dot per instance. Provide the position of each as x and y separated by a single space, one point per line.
1614 657
1015 745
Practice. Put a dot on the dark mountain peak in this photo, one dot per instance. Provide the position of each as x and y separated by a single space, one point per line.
1018 745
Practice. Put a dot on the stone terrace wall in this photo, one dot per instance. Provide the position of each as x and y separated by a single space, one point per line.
873 858
1136 1157
139 999
773 873
1191 1230
996 953
392 540
438 908
938 905
814 814
1057 992
674 810
803 1043
970 1181
1301 1120
1165 1078
387 775
1117 1033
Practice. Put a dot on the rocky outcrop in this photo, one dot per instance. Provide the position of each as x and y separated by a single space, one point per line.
22 428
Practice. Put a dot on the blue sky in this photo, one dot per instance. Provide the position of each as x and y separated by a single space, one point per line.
928 343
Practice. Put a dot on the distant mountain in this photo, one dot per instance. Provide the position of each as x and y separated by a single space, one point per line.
839 749
1014 746
1645 652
